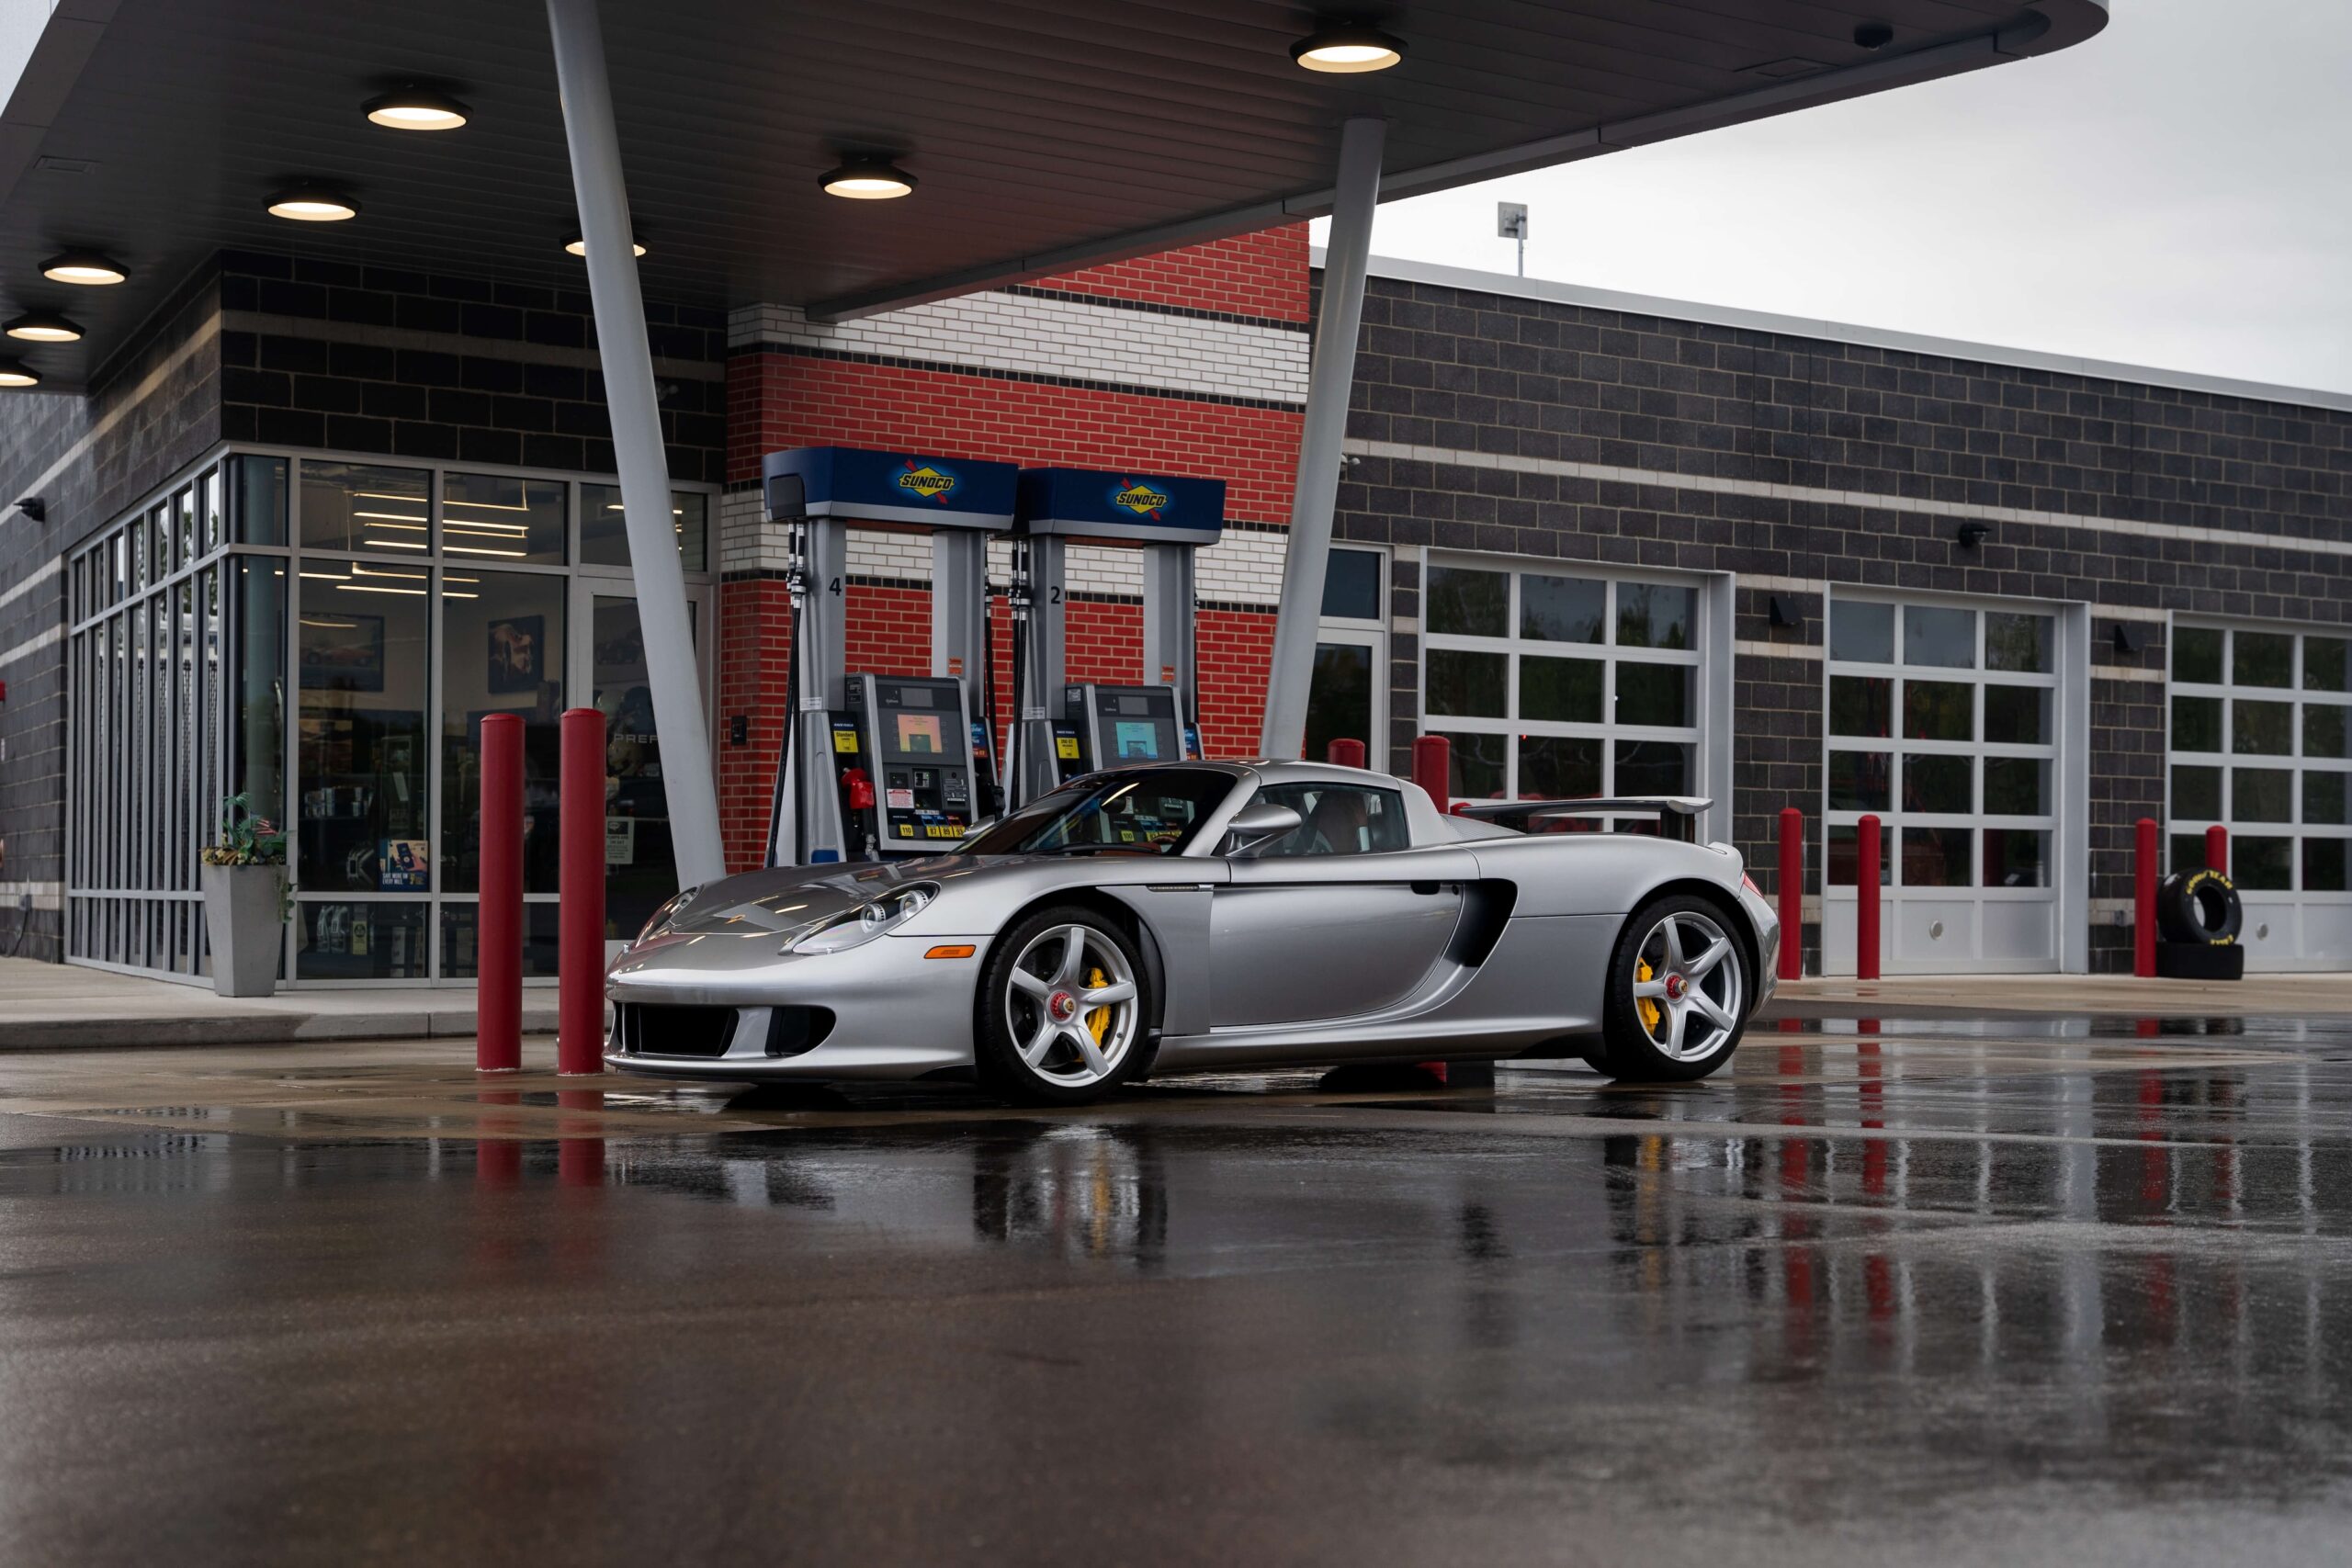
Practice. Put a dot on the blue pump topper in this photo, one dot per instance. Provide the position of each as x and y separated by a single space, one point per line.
853 483
1122 504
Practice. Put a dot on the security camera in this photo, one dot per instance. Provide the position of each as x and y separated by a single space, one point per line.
32 506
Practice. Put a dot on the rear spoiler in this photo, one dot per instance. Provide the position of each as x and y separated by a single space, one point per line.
1678 814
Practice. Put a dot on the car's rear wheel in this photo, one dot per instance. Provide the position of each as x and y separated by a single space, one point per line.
1678 990
1063 1011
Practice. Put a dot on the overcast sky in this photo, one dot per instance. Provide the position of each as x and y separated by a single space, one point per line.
2176 192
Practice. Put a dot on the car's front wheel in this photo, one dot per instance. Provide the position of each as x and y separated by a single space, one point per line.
1679 991
1063 1011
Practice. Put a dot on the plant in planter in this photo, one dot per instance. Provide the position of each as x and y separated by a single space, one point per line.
246 900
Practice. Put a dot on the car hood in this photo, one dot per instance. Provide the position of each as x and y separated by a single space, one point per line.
784 898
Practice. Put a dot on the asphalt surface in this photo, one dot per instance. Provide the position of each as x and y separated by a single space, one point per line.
1949 1291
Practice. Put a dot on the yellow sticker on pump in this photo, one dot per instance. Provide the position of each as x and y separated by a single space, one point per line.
1066 748
844 739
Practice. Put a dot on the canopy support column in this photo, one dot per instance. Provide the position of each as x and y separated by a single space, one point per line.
1328 380
671 669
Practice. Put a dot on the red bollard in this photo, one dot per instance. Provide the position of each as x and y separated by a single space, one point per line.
1866 900
498 985
2144 900
2217 849
1792 891
580 930
1344 753
1434 768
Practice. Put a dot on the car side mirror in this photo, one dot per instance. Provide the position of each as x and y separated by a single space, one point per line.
1256 825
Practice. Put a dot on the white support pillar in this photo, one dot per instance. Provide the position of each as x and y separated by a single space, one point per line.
627 360
1328 380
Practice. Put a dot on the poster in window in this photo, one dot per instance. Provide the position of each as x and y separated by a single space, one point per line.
517 653
403 865
343 652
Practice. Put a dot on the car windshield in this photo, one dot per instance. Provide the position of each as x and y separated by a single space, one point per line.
1147 811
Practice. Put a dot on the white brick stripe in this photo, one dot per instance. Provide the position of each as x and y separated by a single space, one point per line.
1027 335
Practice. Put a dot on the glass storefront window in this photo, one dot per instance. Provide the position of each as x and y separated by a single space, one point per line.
1462 602
366 507
364 659
495 519
604 531
502 651
1351 584
361 941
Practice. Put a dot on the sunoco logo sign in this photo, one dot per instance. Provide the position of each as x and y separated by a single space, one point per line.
928 481
1138 497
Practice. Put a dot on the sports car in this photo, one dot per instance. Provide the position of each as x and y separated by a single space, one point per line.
1200 916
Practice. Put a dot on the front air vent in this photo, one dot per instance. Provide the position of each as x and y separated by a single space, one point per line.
646 1029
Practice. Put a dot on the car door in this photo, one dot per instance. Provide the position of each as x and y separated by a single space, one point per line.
1343 918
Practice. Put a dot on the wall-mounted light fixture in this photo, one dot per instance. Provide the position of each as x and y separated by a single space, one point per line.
1973 533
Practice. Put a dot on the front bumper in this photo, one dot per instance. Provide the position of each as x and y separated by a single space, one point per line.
894 1013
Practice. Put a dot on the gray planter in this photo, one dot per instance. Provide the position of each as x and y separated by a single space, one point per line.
241 913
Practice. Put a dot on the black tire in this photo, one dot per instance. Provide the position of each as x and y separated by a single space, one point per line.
1642 1048
1061 1075
2199 905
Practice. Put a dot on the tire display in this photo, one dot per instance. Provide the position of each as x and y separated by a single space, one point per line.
2199 905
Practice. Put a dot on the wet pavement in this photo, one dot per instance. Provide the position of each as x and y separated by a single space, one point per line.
1987 1289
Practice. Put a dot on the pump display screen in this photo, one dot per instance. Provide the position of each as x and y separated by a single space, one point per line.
920 734
1136 740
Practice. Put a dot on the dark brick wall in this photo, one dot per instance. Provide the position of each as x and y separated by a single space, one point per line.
1520 378
459 369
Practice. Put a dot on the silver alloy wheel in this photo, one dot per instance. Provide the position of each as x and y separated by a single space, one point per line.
1694 986
1050 1003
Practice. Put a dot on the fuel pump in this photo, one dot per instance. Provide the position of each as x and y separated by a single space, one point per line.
1063 728
876 764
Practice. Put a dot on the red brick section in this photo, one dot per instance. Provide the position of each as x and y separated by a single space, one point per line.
1262 274
754 649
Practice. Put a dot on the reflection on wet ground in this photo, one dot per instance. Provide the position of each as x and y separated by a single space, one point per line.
1887 1292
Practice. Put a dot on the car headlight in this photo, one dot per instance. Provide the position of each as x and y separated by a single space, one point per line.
855 928
670 905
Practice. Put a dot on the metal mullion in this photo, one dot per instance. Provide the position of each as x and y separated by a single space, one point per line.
436 694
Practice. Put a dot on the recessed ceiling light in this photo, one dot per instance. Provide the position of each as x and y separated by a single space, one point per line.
869 179
412 109
312 204
1348 49
43 326
579 247
82 266
15 375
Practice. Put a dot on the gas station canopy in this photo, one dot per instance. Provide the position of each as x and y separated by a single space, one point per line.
1043 135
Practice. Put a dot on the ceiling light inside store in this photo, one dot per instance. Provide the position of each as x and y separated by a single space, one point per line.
1348 49
869 179
412 109
86 268
43 326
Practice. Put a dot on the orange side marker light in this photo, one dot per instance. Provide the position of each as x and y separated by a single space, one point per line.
951 950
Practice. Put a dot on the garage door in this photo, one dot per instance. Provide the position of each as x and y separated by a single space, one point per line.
1942 720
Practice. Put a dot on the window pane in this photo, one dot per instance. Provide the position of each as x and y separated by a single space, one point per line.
1653 767
1561 609
1469 685
1939 784
2196 793
2016 787
1339 698
1945 638
1463 603
1939 710
2327 664
1476 769
360 506
461 940
2262 659
258 730
2262 728
1351 582
2017 857
2324 730
2197 655
502 651
2262 794
2323 798
1556 690
604 531
360 942
1654 694
2018 642
2017 716
1554 767
1844 858
1652 617
2323 865
2197 724
2262 865
1936 857
489 518
2188 853
365 658
1857 781
1862 704
1861 633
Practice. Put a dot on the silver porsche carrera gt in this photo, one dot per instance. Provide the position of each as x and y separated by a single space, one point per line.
1206 916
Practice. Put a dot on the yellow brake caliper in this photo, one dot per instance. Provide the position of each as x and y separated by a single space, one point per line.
1643 1005
1098 1019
